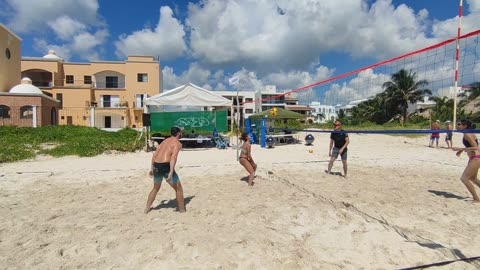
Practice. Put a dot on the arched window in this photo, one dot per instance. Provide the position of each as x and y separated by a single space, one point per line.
26 112
4 111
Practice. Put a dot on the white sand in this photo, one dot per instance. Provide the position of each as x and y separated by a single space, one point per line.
402 205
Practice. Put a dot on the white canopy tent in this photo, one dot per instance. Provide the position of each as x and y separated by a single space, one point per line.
186 98
188 95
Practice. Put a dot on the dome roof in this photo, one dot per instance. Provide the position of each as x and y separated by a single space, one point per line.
52 55
26 87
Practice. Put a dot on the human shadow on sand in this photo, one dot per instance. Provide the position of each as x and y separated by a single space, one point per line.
335 173
172 203
447 194
245 178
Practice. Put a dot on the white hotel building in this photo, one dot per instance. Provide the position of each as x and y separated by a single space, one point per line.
328 111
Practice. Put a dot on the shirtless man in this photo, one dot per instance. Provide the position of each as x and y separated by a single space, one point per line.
435 135
163 167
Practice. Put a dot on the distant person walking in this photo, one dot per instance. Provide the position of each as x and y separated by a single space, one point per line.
470 174
435 135
338 146
246 157
163 167
449 135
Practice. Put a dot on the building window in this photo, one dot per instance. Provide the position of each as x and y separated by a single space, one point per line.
248 110
139 101
142 77
4 111
111 82
248 99
26 112
87 79
7 53
69 79
108 101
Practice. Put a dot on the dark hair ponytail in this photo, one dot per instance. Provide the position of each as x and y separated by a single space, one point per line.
468 124
243 137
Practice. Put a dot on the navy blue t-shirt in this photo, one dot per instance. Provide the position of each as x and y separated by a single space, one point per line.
339 139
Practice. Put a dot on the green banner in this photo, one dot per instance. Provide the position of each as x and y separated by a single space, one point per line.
198 121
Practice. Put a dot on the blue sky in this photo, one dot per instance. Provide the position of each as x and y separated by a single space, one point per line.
281 42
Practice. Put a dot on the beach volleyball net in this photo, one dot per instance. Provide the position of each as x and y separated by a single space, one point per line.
360 95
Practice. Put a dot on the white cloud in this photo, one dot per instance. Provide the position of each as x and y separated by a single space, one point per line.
166 40
65 27
82 44
296 79
473 6
275 36
86 44
194 74
448 28
34 16
364 85
43 46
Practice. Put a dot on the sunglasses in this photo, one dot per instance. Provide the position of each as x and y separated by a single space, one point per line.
337 124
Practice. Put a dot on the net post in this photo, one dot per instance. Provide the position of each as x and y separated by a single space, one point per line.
457 54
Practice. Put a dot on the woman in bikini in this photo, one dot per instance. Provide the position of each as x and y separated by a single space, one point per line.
469 176
246 157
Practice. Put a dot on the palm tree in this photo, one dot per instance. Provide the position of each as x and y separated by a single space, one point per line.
443 108
368 110
341 114
320 116
404 89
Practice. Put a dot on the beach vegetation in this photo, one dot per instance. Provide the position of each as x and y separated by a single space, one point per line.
19 143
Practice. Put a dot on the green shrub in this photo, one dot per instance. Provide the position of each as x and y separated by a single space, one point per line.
20 143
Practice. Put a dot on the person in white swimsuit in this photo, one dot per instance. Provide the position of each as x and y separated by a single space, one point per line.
246 157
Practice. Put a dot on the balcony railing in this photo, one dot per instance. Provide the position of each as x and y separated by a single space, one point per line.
109 85
79 84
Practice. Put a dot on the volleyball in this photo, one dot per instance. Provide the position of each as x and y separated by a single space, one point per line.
273 111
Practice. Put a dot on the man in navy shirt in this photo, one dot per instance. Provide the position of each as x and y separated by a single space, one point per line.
338 145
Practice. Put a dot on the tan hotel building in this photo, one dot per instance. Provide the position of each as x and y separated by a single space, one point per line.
111 90
103 94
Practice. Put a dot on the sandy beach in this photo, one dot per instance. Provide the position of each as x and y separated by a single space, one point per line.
402 205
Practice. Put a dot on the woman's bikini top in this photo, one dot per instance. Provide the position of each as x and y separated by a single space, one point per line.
243 151
467 144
